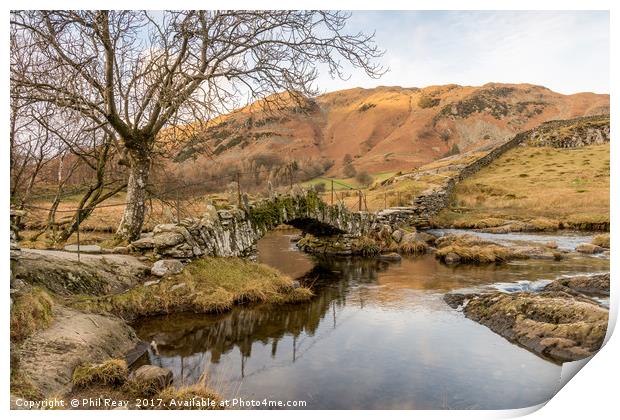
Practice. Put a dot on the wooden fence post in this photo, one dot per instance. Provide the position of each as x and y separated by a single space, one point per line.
78 234
359 198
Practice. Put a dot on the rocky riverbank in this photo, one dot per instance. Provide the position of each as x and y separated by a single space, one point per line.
562 322
65 313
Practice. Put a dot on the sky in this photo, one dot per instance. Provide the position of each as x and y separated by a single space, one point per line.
566 51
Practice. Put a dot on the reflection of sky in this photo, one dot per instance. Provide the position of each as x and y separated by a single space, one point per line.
389 342
382 359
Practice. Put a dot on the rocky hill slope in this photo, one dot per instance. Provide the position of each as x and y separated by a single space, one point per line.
386 128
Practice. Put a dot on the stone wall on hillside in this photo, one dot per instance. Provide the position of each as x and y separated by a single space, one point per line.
578 132
432 201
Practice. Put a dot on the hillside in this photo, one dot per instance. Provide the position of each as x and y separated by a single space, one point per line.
558 178
386 128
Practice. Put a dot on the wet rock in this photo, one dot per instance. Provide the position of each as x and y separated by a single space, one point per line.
153 378
452 258
456 300
592 285
166 267
392 256
589 249
552 324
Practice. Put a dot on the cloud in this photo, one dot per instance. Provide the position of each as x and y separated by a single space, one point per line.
566 51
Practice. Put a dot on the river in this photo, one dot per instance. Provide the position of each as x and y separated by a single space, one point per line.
377 335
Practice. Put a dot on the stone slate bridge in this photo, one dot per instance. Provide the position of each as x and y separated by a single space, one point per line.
234 232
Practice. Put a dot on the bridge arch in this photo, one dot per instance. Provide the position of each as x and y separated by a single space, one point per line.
235 231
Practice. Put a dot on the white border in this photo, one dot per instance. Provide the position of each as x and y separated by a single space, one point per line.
591 394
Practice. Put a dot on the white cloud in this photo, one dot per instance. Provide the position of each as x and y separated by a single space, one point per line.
566 51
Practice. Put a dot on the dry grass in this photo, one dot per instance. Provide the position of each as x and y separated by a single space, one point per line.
412 248
112 372
543 186
602 240
111 378
185 397
488 222
205 285
31 311
472 249
103 222
365 246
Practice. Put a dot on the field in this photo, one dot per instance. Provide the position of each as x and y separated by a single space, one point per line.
561 186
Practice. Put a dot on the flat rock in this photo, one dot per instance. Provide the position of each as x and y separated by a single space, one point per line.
167 267
392 256
94 274
554 325
589 249
92 249
49 356
591 285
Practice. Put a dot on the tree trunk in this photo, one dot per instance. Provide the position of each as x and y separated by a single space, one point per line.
135 206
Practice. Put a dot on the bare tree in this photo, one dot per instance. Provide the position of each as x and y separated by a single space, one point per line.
143 72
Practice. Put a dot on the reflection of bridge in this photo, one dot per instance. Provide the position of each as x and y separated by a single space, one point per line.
234 232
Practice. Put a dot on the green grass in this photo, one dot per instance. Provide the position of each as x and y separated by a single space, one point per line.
352 182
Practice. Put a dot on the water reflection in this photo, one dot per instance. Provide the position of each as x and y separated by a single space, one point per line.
377 335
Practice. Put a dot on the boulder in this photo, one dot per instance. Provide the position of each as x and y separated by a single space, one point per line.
158 241
424 237
397 235
166 267
589 249
452 258
392 256
152 377
591 285
554 324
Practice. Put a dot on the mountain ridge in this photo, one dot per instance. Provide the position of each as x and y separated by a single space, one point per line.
386 128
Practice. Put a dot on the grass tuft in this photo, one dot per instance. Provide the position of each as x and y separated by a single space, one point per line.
31 311
412 248
112 372
602 240
472 249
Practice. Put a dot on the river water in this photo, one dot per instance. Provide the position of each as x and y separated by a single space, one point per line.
377 336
